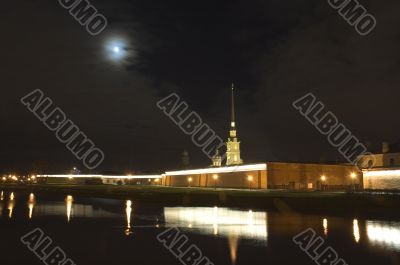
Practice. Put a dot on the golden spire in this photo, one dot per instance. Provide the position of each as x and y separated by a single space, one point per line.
233 125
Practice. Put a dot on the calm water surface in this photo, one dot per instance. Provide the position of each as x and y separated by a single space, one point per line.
105 231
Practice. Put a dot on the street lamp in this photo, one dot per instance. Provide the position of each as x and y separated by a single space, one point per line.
190 180
323 179
215 177
250 179
353 177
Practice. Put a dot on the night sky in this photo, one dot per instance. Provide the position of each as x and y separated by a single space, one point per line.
275 51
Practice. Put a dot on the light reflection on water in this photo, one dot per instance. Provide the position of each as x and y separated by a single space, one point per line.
356 231
325 226
69 200
229 223
219 221
385 234
232 224
31 204
11 204
128 211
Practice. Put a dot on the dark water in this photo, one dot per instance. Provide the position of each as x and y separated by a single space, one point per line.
103 231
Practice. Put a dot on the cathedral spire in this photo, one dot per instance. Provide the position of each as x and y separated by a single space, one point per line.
233 144
233 125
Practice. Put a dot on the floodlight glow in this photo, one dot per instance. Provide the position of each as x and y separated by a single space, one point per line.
384 233
218 170
381 173
116 49
221 221
101 176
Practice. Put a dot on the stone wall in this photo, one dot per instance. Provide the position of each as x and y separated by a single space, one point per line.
308 176
225 180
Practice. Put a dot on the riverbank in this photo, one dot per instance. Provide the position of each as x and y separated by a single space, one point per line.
284 201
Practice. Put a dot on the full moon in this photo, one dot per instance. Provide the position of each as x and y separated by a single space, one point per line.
116 49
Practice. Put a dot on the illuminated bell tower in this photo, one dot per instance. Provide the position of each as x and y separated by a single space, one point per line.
233 144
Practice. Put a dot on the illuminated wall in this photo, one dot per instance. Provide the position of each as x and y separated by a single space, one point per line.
382 179
272 175
308 176
244 176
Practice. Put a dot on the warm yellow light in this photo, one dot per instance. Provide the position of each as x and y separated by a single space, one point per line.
11 204
128 211
33 177
323 178
356 230
353 175
4 178
250 178
190 179
69 201
101 176
229 169
31 204
215 177
220 221
384 233
382 173
325 225
157 180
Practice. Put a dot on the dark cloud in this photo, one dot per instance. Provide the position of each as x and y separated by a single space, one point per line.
275 51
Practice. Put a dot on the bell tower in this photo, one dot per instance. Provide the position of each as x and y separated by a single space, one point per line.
233 144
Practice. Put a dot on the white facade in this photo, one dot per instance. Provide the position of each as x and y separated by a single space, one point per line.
380 179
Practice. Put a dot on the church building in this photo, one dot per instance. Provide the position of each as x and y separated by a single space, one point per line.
229 171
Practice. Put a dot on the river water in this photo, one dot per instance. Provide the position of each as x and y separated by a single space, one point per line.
106 231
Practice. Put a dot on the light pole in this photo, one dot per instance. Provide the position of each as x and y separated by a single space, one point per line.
353 177
215 177
250 179
323 179
190 181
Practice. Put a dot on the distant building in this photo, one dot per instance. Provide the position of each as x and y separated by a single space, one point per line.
217 159
270 175
382 169
185 159
389 156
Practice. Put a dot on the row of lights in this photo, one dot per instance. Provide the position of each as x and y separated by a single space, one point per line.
15 178
352 176
250 178
216 177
